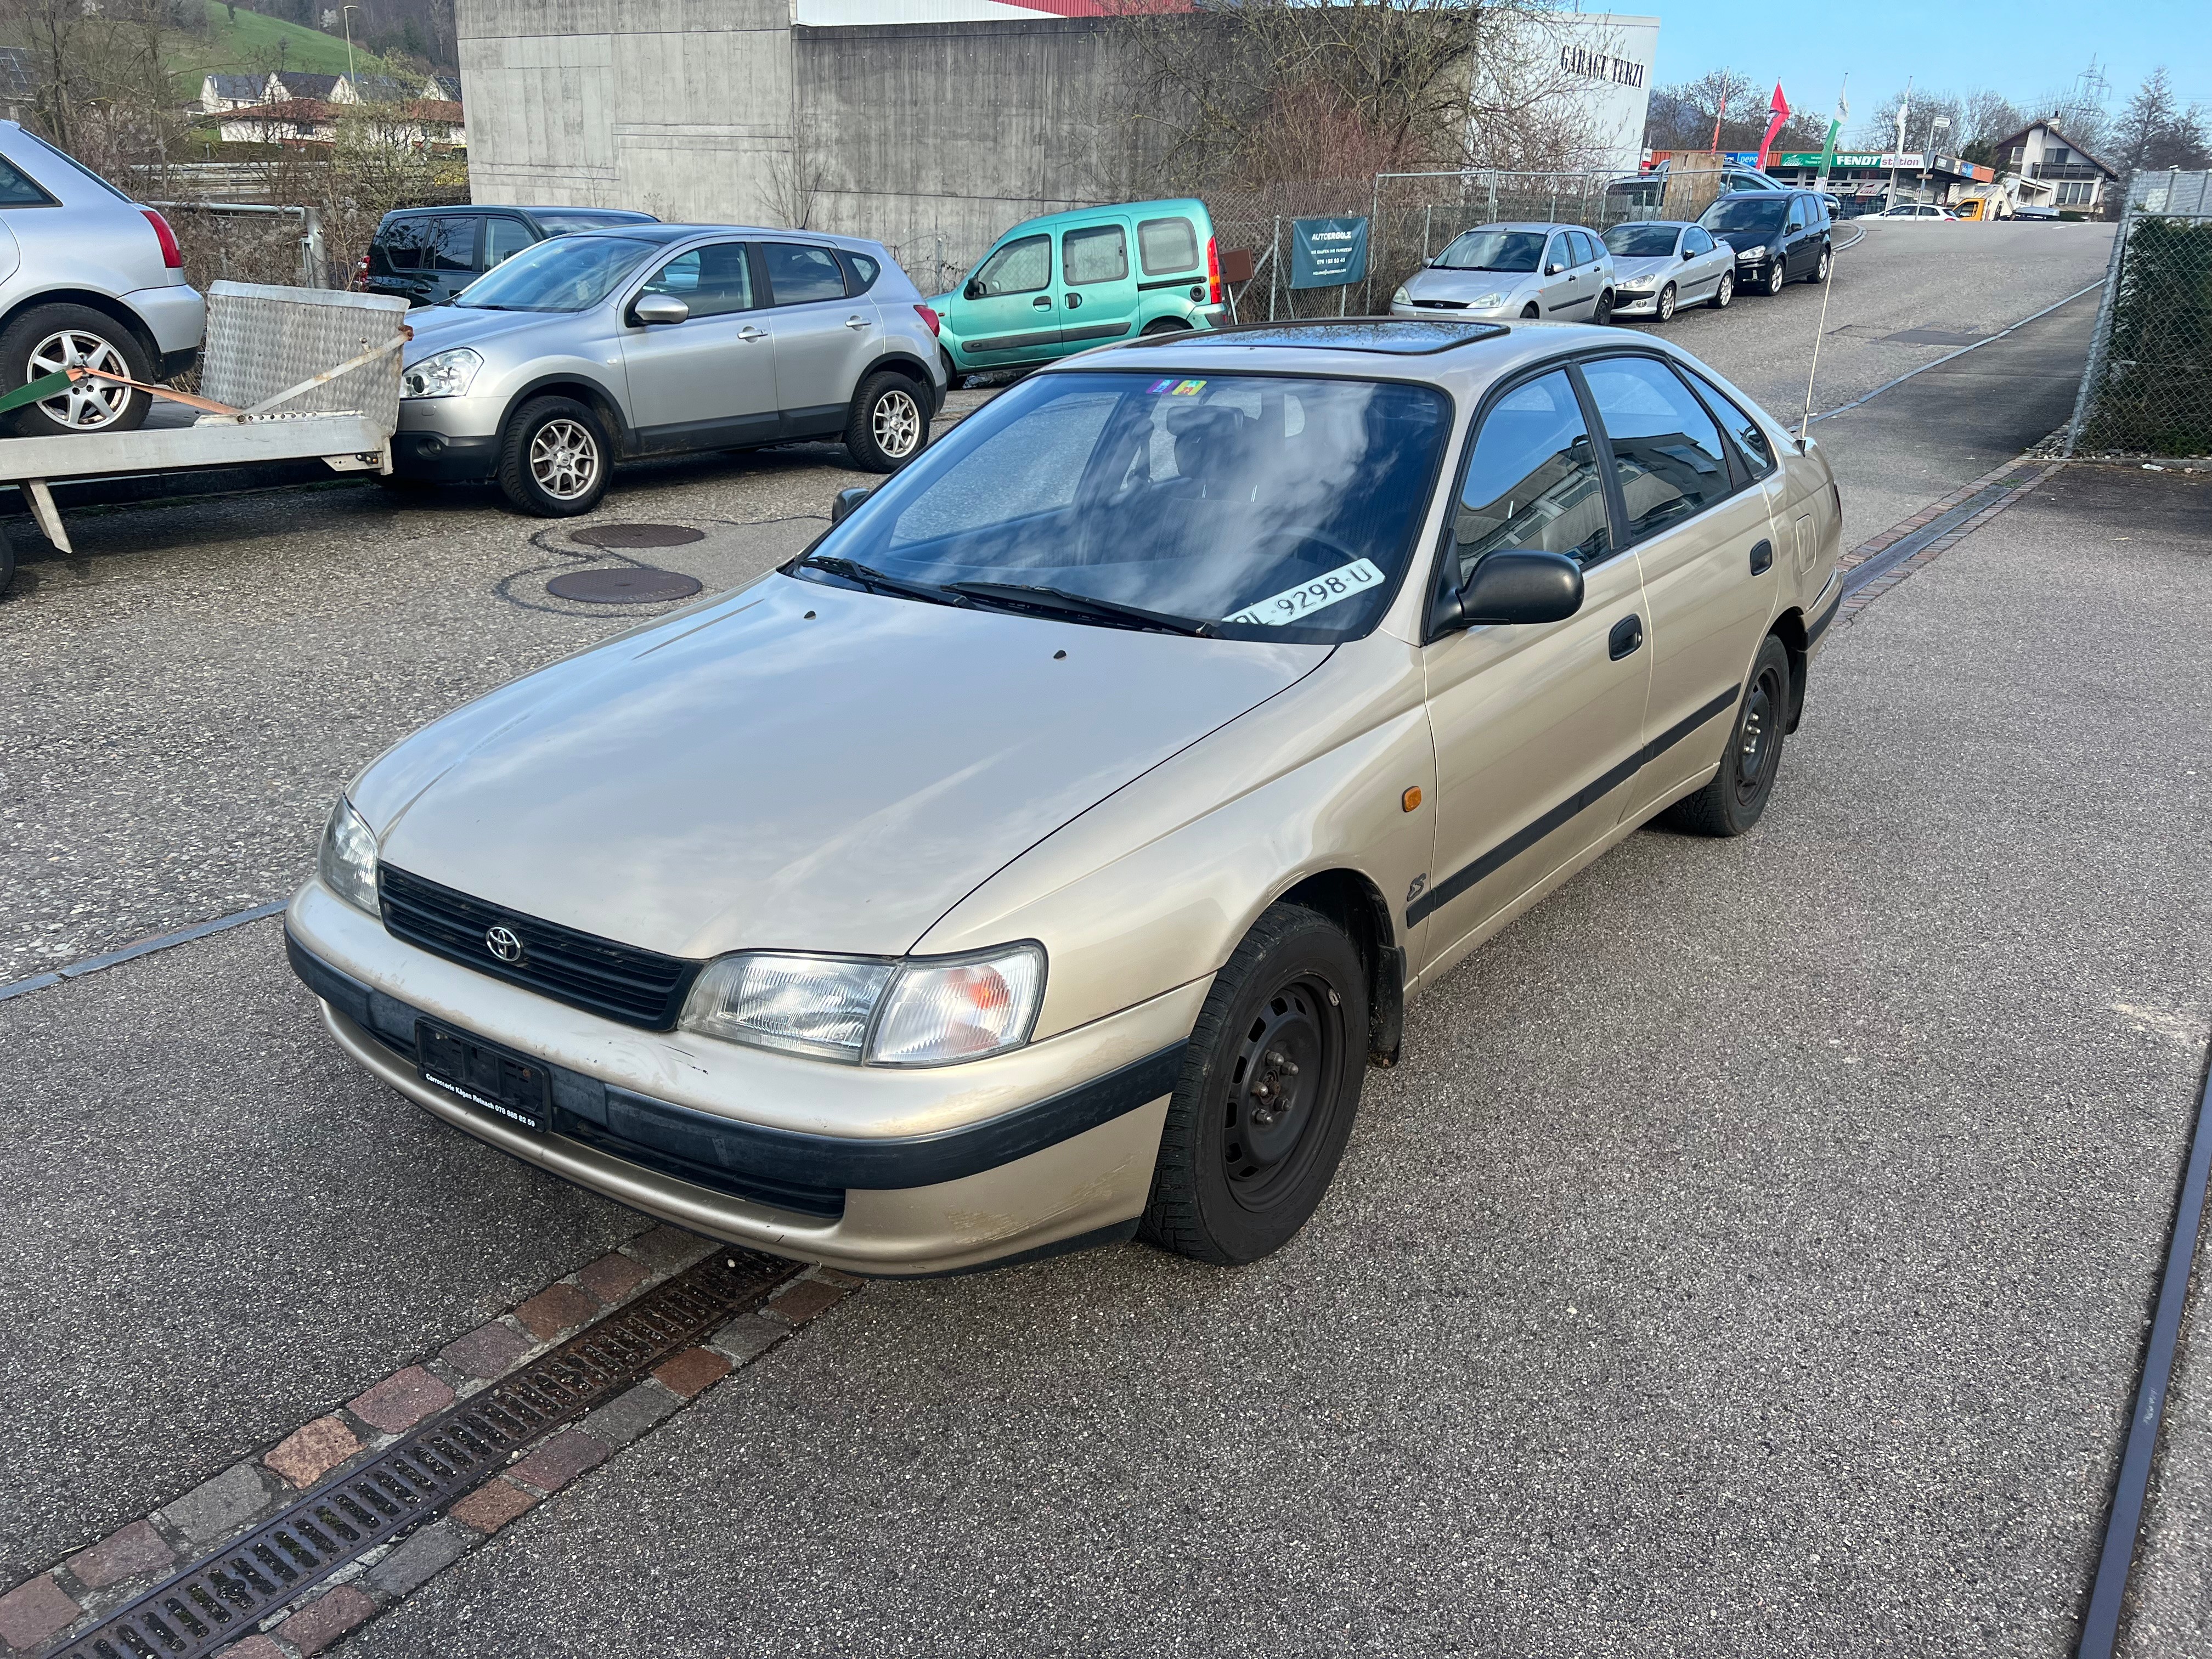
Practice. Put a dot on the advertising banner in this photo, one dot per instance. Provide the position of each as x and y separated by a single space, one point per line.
1328 252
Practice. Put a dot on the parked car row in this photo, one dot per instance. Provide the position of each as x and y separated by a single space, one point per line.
1756 240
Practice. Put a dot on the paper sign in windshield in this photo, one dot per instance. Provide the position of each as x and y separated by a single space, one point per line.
1295 603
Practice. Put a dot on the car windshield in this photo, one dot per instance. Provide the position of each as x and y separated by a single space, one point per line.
1494 250
1251 506
1760 216
568 273
1640 241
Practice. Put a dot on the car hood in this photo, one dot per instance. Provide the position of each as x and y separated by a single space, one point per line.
1434 283
1745 241
797 765
440 328
1642 271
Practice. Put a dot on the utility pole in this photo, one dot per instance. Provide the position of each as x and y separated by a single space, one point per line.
1904 105
346 16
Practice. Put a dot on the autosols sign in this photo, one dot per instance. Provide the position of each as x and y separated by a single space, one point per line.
1328 252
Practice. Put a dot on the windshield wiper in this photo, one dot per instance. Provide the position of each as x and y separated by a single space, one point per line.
869 577
1062 602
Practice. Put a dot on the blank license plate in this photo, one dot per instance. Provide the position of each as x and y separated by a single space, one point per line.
495 1079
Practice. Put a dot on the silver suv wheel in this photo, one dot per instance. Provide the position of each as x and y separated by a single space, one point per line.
895 423
87 405
564 460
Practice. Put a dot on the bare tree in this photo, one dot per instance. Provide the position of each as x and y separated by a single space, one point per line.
799 175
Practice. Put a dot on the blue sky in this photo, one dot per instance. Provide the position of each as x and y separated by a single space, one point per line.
2025 49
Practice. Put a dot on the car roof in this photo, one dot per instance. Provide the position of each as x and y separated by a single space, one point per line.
612 215
1671 224
1524 224
1462 358
1165 206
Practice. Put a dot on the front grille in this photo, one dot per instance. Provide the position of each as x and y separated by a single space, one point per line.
1442 305
618 982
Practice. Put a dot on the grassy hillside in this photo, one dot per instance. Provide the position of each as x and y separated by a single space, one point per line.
248 42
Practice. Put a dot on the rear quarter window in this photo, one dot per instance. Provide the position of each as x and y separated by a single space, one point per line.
17 189
861 272
1167 245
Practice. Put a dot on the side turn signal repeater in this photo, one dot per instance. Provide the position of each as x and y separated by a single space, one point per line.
1411 799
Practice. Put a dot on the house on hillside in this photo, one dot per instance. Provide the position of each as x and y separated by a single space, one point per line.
423 124
221 92
444 87
2053 171
284 85
376 89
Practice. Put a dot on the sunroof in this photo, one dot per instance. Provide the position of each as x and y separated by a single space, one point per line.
1397 337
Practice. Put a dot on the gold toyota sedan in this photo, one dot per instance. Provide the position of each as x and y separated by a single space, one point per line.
1042 857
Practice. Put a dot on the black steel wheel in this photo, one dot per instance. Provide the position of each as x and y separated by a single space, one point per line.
1602 313
1529 312
1667 303
1270 1085
1167 325
6 560
1737 795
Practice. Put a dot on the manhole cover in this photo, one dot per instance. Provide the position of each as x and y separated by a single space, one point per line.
631 585
639 535
1932 337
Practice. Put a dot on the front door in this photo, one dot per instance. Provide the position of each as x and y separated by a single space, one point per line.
822 337
1098 296
1562 288
451 262
1537 728
708 382
1710 565
1007 312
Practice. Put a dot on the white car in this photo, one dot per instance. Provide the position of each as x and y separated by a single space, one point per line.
1535 272
1916 211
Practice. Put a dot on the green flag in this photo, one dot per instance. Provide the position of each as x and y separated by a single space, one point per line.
1835 129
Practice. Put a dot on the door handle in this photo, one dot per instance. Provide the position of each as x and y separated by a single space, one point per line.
856 322
1042 302
1627 634
1074 300
749 332
1762 556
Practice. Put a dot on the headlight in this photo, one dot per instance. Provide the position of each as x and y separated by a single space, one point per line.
1401 298
348 860
1750 256
441 374
862 1010
1486 299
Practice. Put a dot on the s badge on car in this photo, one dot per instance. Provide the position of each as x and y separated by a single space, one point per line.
503 943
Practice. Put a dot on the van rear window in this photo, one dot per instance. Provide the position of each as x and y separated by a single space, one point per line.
1166 245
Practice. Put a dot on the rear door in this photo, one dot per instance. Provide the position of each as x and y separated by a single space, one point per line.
708 382
397 257
822 336
451 262
1098 294
1711 570
1170 263
1007 312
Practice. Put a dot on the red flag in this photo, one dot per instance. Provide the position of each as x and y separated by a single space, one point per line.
1780 105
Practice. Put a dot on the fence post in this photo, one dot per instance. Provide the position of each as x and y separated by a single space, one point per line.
2100 343
312 261
1275 265
1428 214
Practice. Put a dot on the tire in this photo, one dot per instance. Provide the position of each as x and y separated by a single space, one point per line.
955 380
1666 307
1778 276
1270 1085
6 560
890 422
1732 801
1528 312
1820 271
1165 326
1602 313
45 337
555 459
1723 291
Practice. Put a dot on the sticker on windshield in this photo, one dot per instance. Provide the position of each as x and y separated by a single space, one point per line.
1292 604
1176 388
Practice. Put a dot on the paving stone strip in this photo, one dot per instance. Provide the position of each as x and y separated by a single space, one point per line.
52 1611
2018 476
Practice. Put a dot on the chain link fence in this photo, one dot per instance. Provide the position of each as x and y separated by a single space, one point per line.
2148 388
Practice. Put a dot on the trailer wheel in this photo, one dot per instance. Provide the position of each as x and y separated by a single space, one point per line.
6 560
48 338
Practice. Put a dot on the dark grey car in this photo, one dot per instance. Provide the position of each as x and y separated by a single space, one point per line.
1779 236
426 255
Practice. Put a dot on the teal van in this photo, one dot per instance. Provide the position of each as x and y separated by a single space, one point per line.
1070 281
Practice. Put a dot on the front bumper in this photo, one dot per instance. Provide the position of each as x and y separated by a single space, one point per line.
878 1171
1457 314
437 459
1629 304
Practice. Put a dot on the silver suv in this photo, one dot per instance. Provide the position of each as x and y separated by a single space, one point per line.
87 278
656 339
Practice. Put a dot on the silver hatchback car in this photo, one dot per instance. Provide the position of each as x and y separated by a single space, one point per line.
656 339
1537 273
87 279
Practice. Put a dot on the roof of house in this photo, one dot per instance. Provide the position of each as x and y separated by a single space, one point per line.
448 86
17 80
384 89
306 86
249 87
2006 142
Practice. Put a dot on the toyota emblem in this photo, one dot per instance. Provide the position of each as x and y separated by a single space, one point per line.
503 943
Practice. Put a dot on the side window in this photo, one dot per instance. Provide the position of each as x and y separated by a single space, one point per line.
1532 481
17 190
861 272
1019 267
504 238
1665 448
453 244
1586 246
1166 245
1796 214
1694 241
405 243
1559 252
1096 253
714 280
1746 434
796 273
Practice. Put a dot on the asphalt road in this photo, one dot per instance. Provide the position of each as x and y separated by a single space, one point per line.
1827 1135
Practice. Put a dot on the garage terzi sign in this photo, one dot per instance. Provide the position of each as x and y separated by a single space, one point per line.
1328 252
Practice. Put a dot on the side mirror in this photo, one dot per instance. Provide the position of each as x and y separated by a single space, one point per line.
653 309
1554 271
1516 586
973 290
841 507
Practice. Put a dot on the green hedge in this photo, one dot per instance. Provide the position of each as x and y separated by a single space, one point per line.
2155 394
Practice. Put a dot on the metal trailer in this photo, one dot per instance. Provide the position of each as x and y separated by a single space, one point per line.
299 373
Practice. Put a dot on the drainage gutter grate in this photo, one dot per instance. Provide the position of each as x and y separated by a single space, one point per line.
228 1593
